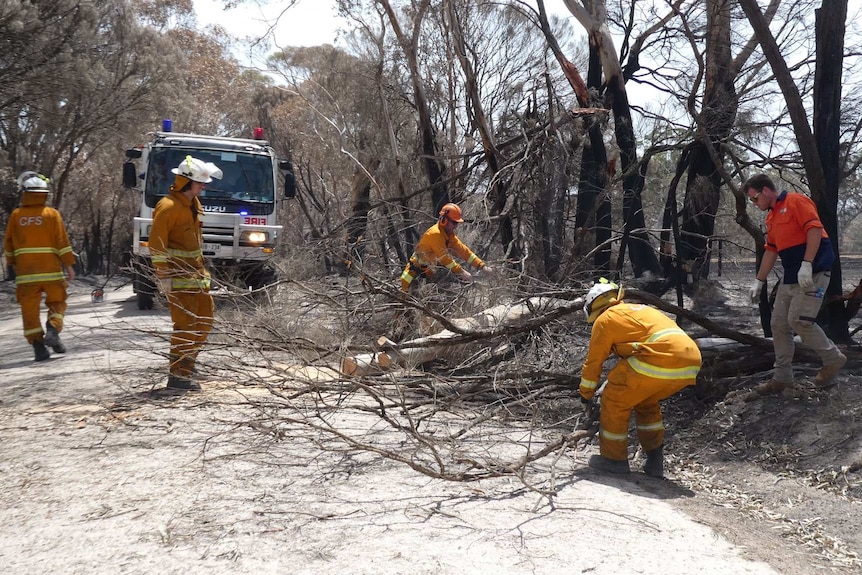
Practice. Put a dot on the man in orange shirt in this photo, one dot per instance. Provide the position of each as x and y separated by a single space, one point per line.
657 359
434 249
795 234
176 242
37 252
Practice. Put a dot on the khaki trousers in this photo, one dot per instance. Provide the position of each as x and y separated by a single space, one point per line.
796 310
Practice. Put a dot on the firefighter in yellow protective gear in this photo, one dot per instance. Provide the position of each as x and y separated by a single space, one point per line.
657 359
176 242
37 251
435 248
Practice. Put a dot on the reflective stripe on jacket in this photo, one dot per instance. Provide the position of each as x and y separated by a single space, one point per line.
176 241
434 248
36 244
653 345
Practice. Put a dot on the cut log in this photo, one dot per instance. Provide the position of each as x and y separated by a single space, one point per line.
489 323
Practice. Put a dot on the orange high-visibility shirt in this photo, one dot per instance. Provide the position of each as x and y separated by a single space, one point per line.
36 244
434 248
787 224
652 343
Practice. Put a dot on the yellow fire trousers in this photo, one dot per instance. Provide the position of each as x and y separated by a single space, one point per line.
192 314
628 391
30 297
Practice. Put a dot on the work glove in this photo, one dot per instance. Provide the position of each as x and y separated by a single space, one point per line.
756 288
805 276
487 269
165 285
465 277
10 273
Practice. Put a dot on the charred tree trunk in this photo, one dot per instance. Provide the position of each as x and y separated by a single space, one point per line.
493 157
357 222
593 214
594 203
716 120
830 22
435 168
643 257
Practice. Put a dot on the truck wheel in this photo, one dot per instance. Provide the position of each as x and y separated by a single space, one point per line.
144 290
145 300
261 278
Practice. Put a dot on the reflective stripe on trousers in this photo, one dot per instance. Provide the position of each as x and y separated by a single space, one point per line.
628 391
192 314
30 298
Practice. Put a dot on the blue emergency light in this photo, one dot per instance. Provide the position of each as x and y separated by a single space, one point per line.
167 125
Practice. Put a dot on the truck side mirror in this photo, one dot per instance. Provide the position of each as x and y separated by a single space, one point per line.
133 153
130 175
289 179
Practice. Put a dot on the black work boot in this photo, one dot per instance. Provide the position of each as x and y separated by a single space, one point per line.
602 463
654 466
52 339
42 352
180 383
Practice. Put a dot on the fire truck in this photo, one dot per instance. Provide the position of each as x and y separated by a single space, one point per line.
239 221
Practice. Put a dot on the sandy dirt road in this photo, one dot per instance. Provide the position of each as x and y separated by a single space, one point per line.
99 477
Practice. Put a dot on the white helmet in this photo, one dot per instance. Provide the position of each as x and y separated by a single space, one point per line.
601 296
30 181
198 170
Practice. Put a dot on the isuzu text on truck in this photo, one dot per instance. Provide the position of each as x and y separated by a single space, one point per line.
239 221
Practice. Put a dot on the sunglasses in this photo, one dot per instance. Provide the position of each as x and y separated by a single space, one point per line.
755 197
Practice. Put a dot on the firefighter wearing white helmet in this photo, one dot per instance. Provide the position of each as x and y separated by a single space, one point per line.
32 182
176 248
657 359
436 247
38 251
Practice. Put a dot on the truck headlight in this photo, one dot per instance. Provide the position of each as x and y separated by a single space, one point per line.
254 237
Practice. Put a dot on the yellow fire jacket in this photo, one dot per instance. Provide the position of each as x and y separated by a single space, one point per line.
653 345
176 241
434 248
36 244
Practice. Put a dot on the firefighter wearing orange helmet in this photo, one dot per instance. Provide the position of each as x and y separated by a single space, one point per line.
657 359
176 242
37 251
435 248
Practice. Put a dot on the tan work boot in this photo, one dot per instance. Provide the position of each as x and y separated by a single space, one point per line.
771 387
828 372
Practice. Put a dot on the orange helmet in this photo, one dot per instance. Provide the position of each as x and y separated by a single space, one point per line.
451 211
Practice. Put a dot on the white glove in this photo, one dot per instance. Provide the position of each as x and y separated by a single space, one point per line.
805 277
756 288
465 277
487 269
165 285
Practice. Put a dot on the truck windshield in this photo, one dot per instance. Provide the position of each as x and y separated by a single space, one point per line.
248 178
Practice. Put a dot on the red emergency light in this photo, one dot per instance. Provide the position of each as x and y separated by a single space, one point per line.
258 133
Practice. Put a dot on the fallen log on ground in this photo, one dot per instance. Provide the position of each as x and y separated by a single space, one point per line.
492 322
